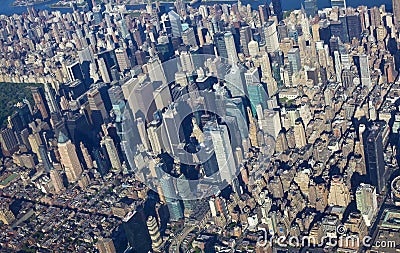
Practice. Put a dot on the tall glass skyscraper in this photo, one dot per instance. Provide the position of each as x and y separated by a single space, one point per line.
374 156
277 7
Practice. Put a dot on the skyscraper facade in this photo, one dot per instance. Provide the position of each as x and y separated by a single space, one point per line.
339 3
365 74
277 7
396 11
230 47
271 37
69 158
374 157
223 151
176 24
311 7
294 59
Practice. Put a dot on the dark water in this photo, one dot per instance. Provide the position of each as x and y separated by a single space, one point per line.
7 9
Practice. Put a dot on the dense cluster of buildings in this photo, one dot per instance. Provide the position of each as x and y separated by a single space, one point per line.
209 128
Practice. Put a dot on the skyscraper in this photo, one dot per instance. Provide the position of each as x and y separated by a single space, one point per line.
255 89
170 194
245 37
354 26
311 7
230 47
69 158
171 121
86 156
294 59
96 102
366 202
277 7
264 13
219 42
271 36
57 181
105 245
122 59
8 142
40 102
365 74
51 99
300 135
176 24
223 151
44 158
339 3
112 152
374 156
189 38
396 11
134 224
154 231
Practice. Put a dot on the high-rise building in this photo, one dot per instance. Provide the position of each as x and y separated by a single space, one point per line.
256 91
271 36
338 66
116 94
277 7
396 11
294 60
51 99
176 24
230 47
170 195
181 7
300 135
40 102
69 158
374 156
186 61
354 26
8 141
253 47
223 151
245 37
6 216
339 194
122 59
365 74
270 122
339 3
264 13
154 231
311 7
44 158
104 72
74 71
134 224
366 200
189 38
96 106
112 152
171 121
57 181
86 156
219 42
105 245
